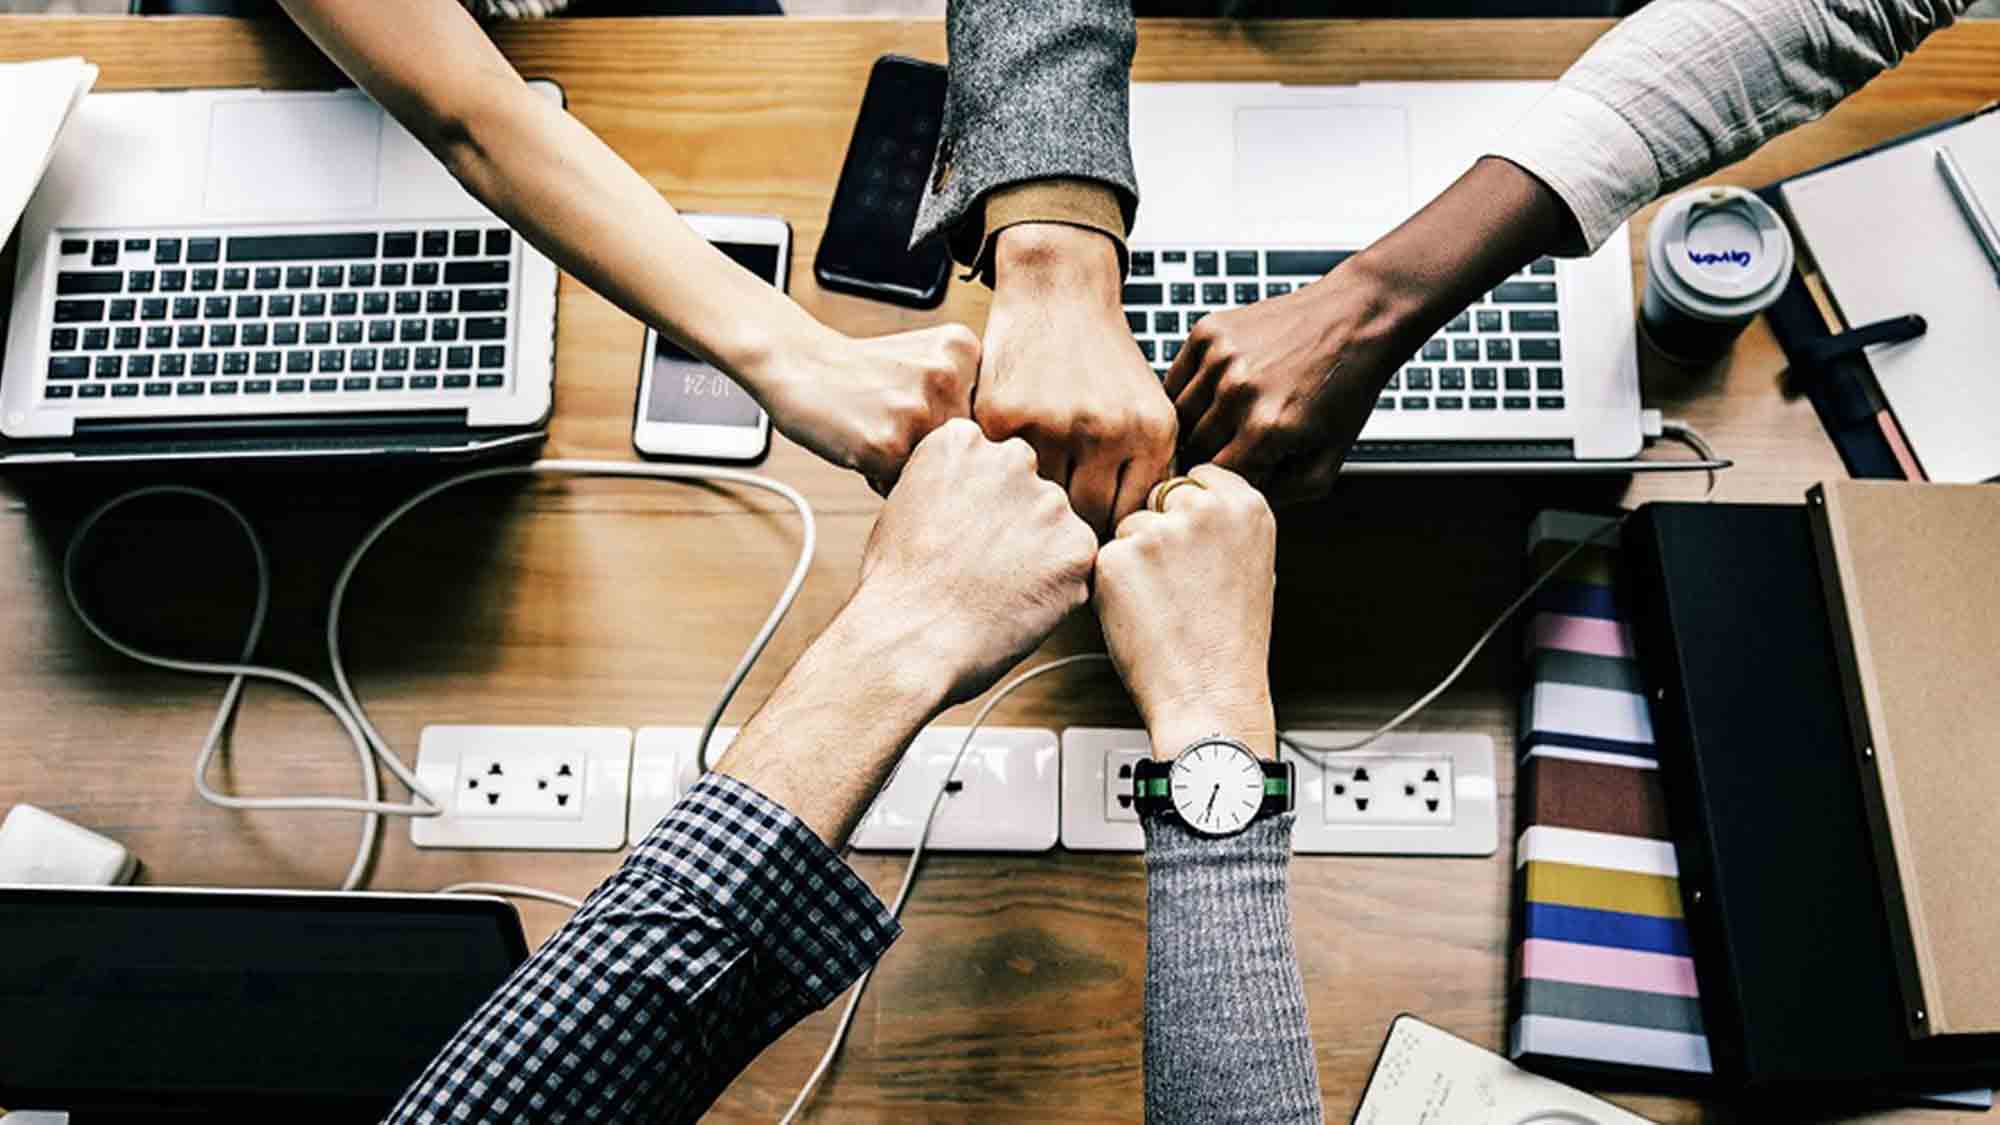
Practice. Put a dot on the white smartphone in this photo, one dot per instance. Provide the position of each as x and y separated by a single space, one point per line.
686 408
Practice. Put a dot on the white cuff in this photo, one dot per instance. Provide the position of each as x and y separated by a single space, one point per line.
1589 155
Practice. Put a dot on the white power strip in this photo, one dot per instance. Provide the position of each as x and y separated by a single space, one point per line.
1021 789
1407 794
1007 801
663 770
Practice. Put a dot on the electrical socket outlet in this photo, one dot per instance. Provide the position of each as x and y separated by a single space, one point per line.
517 784
1413 789
663 770
1008 799
530 788
1093 817
1380 801
1119 804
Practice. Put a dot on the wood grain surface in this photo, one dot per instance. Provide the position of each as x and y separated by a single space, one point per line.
1015 993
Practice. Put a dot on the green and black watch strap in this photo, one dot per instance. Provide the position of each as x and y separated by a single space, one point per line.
1151 794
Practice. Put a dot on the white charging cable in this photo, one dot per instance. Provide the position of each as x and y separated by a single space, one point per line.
353 716
369 746
513 890
1312 751
917 857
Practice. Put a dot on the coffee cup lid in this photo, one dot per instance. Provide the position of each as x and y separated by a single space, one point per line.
1720 251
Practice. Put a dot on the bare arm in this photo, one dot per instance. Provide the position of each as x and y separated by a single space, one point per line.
861 404
735 917
935 621
1280 389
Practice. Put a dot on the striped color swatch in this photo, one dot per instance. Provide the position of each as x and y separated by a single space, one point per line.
1602 971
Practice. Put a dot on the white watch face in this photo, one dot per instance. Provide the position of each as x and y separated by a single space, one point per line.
1217 788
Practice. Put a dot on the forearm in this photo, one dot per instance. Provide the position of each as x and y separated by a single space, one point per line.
578 201
830 735
1226 1032
555 181
1487 225
1682 88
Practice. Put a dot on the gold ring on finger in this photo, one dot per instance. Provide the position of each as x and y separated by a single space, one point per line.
1156 500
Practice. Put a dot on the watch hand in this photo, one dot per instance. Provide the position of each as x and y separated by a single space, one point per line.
1212 794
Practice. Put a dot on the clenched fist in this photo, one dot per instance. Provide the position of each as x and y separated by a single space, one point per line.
1062 371
974 559
1185 597
864 404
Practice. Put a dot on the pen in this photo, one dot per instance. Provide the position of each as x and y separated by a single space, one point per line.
1974 211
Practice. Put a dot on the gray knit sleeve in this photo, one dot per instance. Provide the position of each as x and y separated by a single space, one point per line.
1226 1032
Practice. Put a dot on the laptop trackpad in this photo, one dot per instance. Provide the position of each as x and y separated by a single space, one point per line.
1311 167
292 155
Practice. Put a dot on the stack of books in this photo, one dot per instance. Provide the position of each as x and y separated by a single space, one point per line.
1752 737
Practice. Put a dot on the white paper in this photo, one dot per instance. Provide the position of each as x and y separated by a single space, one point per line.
39 97
1429 1077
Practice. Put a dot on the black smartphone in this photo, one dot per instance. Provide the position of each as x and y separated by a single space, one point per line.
866 248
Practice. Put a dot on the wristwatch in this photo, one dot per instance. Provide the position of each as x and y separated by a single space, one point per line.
1216 787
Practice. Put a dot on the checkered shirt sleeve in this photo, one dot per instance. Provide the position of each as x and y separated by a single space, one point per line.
726 926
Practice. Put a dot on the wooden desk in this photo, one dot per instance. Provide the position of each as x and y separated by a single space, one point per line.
1015 992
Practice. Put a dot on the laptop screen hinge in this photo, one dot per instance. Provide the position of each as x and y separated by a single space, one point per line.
1470 451
195 427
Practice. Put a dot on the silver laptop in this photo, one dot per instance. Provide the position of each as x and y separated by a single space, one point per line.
1254 189
220 274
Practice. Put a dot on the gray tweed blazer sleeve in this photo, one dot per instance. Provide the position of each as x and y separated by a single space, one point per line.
1040 89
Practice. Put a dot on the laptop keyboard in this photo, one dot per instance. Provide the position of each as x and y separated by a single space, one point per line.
1504 354
329 319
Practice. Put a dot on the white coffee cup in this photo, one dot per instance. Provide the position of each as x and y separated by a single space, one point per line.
1716 257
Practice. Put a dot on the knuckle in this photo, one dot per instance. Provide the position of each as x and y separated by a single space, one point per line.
892 441
1017 455
958 433
960 343
1081 544
1114 560
1251 505
942 383
1049 498
1235 386
1088 425
1265 423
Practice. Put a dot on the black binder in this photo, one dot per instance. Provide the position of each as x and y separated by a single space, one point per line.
1777 875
